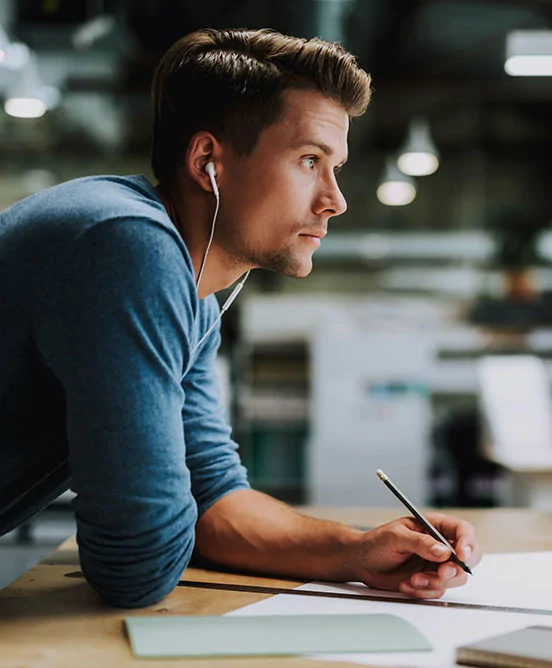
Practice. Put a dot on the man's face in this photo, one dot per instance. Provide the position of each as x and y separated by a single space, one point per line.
277 201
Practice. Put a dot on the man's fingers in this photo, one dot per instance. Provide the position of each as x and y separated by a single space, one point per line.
453 529
428 548
471 556
425 592
461 535
419 565
451 575
433 584
469 552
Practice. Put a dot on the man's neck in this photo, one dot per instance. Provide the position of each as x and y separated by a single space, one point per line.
192 215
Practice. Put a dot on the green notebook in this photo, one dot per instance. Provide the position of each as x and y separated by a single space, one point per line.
525 648
186 636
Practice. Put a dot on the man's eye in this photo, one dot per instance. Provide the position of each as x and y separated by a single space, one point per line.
310 161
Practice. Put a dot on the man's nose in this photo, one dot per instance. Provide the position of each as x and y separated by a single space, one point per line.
341 202
332 200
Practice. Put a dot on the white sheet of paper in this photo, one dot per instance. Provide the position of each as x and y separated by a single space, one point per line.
512 580
518 580
446 629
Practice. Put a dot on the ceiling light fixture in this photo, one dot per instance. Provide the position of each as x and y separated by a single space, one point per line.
4 44
529 53
28 98
395 188
418 156
92 31
13 55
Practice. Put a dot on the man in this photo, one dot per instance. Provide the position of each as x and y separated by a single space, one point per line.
109 330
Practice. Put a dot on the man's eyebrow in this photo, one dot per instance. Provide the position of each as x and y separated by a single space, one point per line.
321 145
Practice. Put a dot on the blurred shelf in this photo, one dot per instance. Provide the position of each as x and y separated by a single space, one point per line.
273 410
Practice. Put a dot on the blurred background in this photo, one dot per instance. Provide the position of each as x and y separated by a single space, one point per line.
421 343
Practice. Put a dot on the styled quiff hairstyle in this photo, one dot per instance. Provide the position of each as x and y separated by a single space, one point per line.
230 83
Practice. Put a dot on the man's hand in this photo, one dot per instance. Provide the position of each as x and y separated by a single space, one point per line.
254 533
399 556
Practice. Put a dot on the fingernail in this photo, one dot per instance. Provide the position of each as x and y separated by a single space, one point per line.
421 581
406 588
449 572
439 550
467 551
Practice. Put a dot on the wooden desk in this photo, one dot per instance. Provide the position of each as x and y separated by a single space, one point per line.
48 620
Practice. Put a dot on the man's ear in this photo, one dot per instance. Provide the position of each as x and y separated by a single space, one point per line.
203 147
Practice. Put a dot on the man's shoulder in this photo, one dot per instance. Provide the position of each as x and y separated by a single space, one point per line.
133 186
95 207
104 198
123 217
87 200
95 220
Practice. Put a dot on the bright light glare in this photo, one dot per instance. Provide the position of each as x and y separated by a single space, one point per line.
25 107
418 164
529 66
16 56
396 193
2 55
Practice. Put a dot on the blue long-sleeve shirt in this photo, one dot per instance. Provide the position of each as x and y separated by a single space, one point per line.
100 389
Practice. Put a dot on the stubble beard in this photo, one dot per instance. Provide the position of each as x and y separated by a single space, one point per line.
283 262
286 261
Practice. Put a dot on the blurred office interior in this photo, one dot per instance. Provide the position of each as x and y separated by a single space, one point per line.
442 261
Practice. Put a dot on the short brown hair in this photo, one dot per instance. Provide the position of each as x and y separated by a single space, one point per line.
230 82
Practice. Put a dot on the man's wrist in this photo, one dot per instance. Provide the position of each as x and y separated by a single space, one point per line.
351 542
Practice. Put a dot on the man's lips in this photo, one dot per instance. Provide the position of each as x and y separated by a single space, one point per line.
316 234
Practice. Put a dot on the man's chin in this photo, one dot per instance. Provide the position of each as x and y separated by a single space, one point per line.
301 271
287 266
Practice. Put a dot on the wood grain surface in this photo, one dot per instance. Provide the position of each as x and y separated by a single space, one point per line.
50 620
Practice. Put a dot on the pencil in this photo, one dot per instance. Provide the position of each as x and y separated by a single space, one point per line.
432 531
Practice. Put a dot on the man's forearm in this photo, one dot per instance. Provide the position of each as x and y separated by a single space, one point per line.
253 532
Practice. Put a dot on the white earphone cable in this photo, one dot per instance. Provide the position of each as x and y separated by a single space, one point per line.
202 268
236 291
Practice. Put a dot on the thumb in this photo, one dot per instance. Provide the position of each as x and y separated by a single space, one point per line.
428 548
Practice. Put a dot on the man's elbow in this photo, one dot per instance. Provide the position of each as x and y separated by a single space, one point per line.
138 596
128 581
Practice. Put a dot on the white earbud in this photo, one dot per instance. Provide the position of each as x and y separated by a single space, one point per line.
210 169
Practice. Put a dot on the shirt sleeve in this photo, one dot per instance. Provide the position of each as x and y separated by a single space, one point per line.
114 327
211 454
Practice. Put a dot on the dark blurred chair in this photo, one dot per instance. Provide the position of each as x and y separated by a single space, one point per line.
461 475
